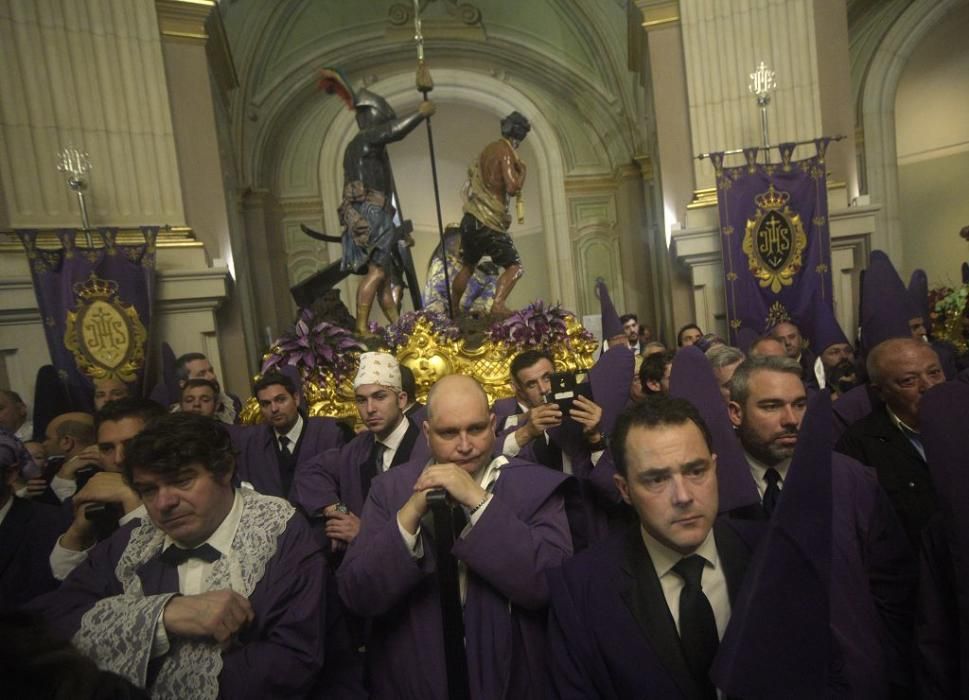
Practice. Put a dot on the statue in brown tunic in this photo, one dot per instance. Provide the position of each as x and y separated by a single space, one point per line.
493 178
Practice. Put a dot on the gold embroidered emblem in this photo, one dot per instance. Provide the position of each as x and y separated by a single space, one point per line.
774 241
106 337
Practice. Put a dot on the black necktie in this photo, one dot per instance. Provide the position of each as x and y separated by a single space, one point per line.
773 490
174 556
284 447
698 626
548 453
372 466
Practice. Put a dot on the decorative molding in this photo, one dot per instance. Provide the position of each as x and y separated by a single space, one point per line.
707 196
659 14
647 167
184 19
168 237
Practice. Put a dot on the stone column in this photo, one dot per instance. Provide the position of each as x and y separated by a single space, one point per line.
199 73
804 41
89 74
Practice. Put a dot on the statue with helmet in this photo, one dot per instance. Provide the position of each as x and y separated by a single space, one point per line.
369 211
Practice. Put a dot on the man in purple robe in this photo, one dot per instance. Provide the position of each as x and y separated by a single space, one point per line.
539 431
270 455
105 500
27 532
872 567
337 482
640 615
516 529
218 593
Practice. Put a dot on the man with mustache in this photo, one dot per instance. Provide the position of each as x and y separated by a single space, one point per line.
516 528
872 568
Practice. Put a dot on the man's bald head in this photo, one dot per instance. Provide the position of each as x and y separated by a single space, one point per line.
460 428
69 433
446 388
881 357
901 370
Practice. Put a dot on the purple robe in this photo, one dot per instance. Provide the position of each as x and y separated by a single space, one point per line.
335 475
278 655
872 592
27 536
258 461
597 507
522 532
850 408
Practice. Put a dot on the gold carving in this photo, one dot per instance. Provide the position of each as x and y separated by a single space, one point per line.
774 241
431 356
777 313
105 336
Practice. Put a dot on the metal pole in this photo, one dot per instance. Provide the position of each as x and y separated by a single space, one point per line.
425 85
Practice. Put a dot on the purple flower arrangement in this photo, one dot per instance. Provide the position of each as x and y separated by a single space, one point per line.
536 326
314 347
397 333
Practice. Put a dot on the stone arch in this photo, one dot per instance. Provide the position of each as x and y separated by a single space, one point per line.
878 115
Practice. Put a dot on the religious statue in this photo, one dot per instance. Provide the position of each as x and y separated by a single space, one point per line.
371 227
496 175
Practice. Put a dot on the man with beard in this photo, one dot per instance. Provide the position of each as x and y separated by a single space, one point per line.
337 482
270 455
872 567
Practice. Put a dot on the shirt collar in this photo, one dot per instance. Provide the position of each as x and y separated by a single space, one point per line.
759 468
294 432
392 441
899 423
489 475
222 538
664 558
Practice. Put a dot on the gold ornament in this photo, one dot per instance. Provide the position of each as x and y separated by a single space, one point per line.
430 356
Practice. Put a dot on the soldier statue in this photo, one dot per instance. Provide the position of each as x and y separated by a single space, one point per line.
367 211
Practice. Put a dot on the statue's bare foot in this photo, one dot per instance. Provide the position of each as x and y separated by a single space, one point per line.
501 312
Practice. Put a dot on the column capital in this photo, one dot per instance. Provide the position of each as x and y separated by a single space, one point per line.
183 19
659 14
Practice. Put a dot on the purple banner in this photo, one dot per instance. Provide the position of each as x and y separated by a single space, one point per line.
775 239
96 303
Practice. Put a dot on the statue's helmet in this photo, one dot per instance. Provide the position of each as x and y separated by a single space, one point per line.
380 110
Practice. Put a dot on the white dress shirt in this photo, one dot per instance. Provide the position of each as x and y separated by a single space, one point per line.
758 470
193 574
391 443
511 448
63 488
63 561
292 435
713 582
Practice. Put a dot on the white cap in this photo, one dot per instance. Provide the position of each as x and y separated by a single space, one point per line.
378 368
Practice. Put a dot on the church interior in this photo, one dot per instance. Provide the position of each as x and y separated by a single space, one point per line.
204 118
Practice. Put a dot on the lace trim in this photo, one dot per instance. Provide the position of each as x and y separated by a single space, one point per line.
118 632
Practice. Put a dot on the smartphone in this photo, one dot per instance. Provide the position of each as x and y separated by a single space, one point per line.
565 388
